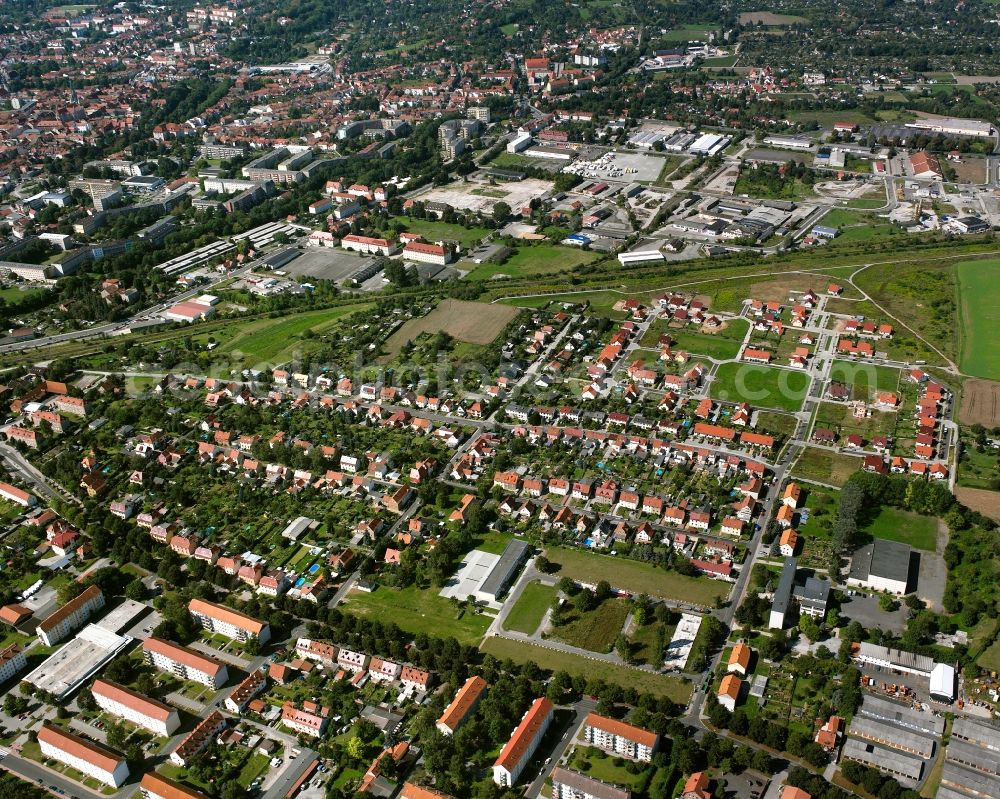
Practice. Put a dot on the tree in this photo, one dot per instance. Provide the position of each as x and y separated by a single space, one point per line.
501 213
116 735
886 602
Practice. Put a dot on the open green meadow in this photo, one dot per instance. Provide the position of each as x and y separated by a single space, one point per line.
979 314
722 345
530 608
761 386
601 302
894 524
418 610
673 688
538 259
264 341
825 466
433 230
635 576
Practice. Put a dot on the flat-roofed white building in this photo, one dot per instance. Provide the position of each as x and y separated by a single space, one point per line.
184 663
229 622
140 710
87 757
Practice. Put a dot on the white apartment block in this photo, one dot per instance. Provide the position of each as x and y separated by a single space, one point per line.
625 740
158 718
228 622
184 663
85 756
352 661
523 742
156 786
12 660
71 616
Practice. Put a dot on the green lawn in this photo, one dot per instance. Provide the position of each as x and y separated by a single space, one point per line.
979 315
761 386
492 542
595 630
865 378
674 688
419 610
433 230
255 766
607 767
722 345
895 524
527 261
824 466
15 294
530 608
635 576
273 341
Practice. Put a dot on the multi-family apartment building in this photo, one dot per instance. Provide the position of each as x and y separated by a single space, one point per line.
319 651
156 786
237 701
517 752
464 704
625 740
12 661
309 721
569 784
206 731
228 622
71 616
140 710
184 663
352 661
87 757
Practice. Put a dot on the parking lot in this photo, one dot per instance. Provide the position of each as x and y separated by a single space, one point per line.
325 264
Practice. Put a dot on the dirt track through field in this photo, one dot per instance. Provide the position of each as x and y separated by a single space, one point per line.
980 402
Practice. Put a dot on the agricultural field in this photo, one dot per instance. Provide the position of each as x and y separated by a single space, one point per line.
635 576
770 18
673 688
980 402
471 322
894 524
530 608
528 261
979 315
981 500
761 386
418 610
825 467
